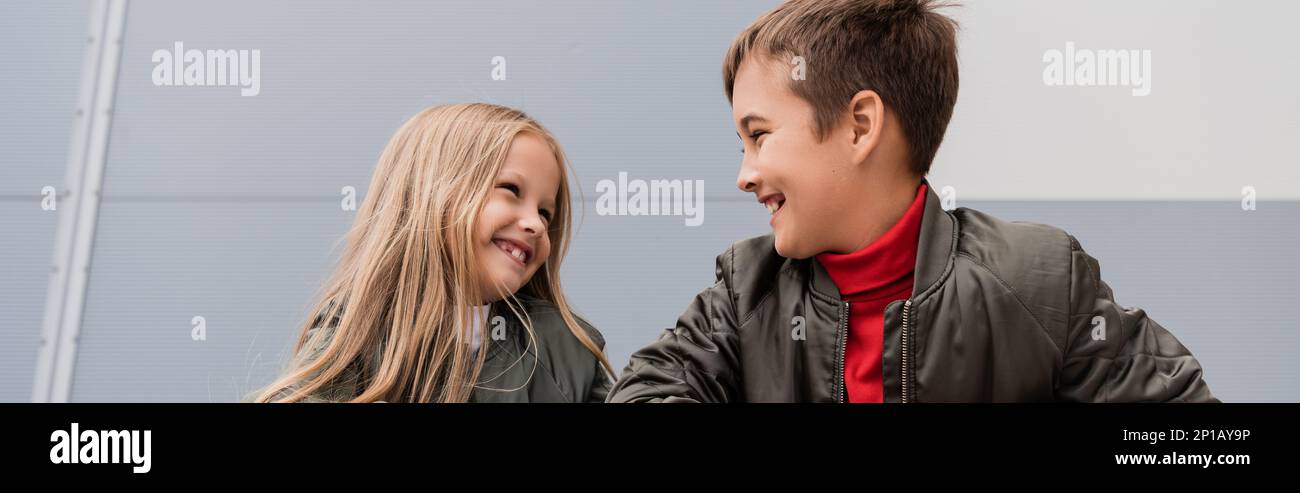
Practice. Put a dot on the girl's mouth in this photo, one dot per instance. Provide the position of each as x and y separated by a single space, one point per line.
517 251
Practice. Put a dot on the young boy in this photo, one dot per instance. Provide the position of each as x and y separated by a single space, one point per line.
867 290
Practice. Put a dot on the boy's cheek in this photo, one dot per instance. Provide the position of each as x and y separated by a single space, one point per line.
804 236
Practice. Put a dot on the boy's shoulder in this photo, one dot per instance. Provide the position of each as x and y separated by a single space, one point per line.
1033 261
754 256
752 260
1010 245
750 268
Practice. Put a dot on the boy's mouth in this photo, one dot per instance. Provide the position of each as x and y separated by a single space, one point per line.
515 249
773 202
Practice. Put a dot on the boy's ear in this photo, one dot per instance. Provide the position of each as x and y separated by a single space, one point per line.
868 118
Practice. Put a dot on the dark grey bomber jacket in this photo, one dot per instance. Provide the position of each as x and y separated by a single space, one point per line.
999 312
553 366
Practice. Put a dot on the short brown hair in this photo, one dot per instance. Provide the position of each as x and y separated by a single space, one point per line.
902 49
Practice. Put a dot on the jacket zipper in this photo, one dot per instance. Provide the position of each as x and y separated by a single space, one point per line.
907 310
844 342
844 345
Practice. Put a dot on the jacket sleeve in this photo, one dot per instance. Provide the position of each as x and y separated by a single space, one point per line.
599 386
696 361
598 390
1118 354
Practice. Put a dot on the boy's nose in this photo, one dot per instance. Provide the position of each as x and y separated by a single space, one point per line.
747 181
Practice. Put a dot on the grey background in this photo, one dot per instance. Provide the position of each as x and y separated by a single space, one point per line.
41 44
227 207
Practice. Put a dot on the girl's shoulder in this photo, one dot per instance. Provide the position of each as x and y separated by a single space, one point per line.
568 371
549 324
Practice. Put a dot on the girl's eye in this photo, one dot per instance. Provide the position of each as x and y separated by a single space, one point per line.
545 214
511 187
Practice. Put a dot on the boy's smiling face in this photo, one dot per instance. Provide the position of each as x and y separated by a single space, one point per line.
835 194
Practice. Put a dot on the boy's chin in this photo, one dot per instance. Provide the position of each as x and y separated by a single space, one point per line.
792 251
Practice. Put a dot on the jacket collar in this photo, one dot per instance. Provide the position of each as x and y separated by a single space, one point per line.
934 252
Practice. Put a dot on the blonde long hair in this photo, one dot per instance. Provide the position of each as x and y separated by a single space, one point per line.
407 280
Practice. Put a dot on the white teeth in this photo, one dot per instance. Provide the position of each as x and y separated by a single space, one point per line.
512 250
772 206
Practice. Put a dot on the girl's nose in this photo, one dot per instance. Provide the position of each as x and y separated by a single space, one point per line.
532 223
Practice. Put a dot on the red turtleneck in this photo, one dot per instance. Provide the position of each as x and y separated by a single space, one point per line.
869 279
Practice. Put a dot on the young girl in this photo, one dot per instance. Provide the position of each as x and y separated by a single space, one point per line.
449 290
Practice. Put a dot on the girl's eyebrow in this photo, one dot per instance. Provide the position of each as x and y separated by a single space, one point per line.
505 174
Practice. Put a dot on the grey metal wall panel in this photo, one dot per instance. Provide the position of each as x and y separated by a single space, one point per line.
41 45
1220 278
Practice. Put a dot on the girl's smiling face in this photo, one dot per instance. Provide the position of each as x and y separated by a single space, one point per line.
511 233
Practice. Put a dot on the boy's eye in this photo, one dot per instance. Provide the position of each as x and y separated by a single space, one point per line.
754 137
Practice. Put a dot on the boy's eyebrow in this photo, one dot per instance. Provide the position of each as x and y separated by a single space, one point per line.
745 120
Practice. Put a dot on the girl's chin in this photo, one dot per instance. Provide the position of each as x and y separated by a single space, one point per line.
509 283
